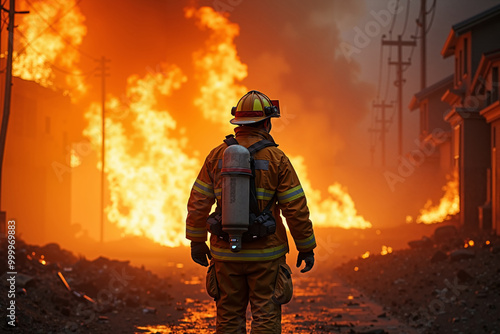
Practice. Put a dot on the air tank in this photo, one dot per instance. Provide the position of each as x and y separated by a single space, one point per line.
236 173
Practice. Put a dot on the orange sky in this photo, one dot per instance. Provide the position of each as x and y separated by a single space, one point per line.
291 51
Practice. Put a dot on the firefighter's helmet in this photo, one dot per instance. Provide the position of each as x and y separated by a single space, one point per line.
254 107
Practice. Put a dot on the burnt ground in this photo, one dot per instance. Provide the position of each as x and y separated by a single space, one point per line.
437 286
153 289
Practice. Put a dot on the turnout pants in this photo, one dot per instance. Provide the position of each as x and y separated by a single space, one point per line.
243 282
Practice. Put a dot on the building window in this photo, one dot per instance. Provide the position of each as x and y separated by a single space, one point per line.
466 51
460 65
494 84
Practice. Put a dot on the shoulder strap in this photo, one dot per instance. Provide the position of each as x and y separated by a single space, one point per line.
260 145
230 140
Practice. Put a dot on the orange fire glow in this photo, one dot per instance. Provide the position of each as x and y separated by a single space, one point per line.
48 38
449 204
217 66
148 168
386 250
149 184
337 210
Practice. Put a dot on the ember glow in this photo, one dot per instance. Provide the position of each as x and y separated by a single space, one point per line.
449 205
47 41
386 250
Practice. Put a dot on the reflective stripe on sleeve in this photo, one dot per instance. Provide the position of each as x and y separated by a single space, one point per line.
305 243
264 194
291 194
196 232
218 193
203 188
249 254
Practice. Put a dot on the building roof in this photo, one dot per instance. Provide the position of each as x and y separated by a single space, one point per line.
484 66
466 25
429 90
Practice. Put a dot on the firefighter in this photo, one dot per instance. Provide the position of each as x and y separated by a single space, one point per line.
257 273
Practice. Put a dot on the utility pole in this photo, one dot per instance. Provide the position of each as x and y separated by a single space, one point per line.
103 74
399 83
8 90
383 129
423 56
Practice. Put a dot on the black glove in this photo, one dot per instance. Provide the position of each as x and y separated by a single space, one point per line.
199 253
308 257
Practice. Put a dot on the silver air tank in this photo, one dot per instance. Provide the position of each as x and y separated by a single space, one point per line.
236 173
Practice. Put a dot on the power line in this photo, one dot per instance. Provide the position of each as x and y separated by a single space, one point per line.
394 19
50 25
406 16
433 10
381 63
53 65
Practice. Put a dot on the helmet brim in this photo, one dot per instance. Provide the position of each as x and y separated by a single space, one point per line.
248 120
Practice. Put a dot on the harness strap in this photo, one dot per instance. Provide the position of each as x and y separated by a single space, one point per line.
254 207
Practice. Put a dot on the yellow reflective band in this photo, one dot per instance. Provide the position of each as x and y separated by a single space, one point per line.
305 243
218 193
203 188
264 194
257 105
249 254
291 194
196 232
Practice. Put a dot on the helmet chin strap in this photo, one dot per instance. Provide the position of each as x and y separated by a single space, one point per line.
268 125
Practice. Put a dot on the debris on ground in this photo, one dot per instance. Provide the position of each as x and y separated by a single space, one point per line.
447 283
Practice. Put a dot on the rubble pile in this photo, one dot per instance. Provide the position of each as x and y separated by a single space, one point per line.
57 292
447 283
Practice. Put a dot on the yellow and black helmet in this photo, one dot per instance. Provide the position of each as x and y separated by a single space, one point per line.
254 107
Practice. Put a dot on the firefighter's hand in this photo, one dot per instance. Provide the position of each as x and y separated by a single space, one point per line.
308 258
199 253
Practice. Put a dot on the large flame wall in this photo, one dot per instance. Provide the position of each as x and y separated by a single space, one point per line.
161 122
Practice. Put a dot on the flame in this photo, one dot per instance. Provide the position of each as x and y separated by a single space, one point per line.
336 210
49 37
147 168
217 66
365 255
74 160
386 250
449 204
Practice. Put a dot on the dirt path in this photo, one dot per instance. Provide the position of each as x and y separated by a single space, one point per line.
322 303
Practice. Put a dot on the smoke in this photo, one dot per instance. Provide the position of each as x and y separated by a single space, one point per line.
293 55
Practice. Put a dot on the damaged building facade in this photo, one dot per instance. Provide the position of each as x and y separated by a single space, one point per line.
472 110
